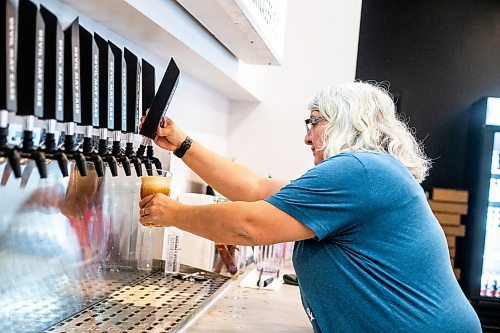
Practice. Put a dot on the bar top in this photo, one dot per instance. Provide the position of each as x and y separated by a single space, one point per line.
254 310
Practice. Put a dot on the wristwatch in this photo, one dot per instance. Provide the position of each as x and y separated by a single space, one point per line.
185 145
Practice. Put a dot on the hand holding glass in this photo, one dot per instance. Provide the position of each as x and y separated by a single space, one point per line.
158 183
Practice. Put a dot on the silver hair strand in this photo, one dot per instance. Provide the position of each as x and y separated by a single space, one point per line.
361 117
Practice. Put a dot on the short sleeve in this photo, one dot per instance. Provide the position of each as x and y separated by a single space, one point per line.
330 199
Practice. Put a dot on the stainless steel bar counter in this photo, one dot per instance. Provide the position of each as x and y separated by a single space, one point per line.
241 309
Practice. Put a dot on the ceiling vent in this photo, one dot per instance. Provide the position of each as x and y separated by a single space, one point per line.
253 30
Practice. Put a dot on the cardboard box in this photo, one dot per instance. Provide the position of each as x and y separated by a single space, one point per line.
451 241
452 252
448 219
457 231
448 207
450 195
457 272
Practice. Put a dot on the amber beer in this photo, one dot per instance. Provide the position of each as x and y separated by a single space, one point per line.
159 183
155 184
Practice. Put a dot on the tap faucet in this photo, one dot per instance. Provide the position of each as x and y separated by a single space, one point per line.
51 152
136 161
9 153
74 154
108 158
116 151
93 156
150 155
29 152
148 163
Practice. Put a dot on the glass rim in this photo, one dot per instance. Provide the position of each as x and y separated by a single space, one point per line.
157 172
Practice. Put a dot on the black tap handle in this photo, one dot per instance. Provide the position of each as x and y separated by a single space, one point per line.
157 163
81 163
50 142
161 100
87 146
137 166
103 147
140 151
126 165
149 166
116 149
113 165
69 143
15 162
155 160
150 152
62 161
98 164
27 141
129 149
39 158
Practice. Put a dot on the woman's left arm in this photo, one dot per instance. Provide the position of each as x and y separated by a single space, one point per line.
242 223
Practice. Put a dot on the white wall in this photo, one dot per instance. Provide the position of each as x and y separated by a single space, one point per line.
320 49
204 115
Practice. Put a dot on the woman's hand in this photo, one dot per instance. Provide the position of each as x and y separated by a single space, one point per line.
169 136
157 210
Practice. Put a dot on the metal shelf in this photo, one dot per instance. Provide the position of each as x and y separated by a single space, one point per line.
252 30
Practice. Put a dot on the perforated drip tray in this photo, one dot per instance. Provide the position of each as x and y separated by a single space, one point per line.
158 303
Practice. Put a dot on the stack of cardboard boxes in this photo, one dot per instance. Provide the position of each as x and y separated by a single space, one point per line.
448 205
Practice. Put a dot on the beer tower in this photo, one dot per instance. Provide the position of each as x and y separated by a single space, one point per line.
72 94
27 107
8 85
106 101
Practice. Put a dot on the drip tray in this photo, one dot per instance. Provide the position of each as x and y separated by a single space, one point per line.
158 303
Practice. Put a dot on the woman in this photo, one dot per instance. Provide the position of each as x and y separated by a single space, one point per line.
370 255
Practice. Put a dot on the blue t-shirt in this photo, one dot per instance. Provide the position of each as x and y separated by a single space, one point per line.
379 261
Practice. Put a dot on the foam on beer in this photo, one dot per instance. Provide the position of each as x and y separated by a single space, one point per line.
154 184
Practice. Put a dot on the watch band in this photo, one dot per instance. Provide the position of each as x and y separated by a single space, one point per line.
185 145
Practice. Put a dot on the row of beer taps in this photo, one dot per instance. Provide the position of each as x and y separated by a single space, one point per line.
71 79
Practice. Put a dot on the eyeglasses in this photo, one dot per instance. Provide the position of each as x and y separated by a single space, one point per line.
310 122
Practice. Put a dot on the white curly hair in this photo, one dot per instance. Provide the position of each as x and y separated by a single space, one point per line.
361 116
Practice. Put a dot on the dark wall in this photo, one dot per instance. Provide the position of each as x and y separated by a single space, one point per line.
439 56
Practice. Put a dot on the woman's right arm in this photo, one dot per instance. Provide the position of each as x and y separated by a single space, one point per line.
234 181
